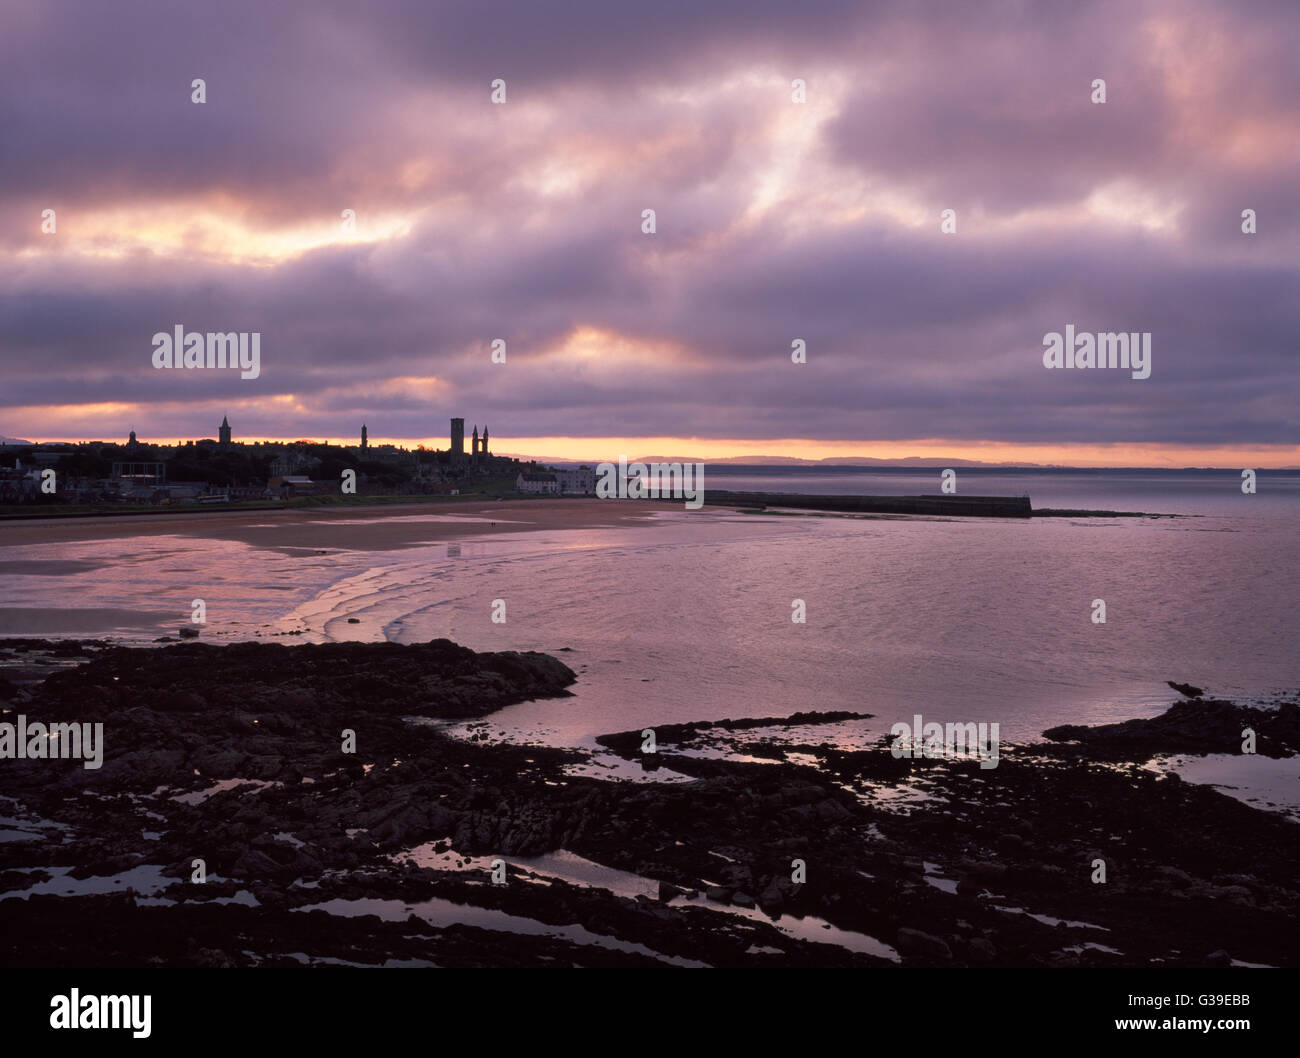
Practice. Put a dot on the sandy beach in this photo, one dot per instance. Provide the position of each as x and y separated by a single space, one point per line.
376 528
318 534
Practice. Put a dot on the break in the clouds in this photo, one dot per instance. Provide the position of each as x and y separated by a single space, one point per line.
775 220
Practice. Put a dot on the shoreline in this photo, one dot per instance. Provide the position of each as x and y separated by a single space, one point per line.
714 499
231 754
328 526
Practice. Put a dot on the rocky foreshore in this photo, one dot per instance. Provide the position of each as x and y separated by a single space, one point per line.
1193 725
744 843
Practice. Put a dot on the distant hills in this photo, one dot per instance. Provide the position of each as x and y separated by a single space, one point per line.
899 463
902 462
839 461
793 461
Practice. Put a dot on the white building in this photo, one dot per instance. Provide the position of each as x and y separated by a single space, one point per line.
581 481
530 481
286 485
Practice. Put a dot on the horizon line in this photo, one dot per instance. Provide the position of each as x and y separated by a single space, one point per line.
914 454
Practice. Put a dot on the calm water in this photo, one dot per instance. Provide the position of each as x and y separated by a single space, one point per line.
690 618
1153 491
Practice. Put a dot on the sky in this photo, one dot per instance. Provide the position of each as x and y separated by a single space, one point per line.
775 220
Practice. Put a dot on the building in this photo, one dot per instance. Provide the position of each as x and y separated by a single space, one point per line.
48 455
457 438
389 454
289 485
287 463
580 481
140 473
179 491
538 482
19 485
223 433
364 441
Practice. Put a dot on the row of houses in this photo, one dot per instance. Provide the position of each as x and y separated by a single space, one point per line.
554 481
291 485
26 485
20 485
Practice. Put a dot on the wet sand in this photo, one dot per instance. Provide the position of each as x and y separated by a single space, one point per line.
297 532
371 528
56 620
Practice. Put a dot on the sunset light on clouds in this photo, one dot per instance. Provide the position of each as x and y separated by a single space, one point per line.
776 220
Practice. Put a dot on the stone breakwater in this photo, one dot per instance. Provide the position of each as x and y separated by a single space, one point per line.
232 755
943 505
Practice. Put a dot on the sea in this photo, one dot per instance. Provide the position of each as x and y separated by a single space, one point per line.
692 616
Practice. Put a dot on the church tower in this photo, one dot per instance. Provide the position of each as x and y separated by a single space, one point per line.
485 450
364 441
225 432
474 445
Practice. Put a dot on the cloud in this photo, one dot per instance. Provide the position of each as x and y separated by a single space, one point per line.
775 220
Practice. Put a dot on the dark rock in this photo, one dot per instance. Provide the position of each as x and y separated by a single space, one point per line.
668 891
923 945
1188 726
985 870
776 893
189 714
1186 689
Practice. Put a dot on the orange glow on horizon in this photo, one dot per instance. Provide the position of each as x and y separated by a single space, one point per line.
595 449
